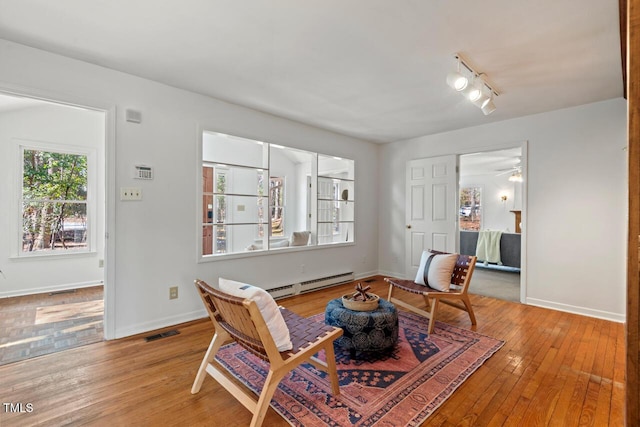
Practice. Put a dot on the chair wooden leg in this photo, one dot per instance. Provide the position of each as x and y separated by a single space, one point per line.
215 345
390 292
331 368
432 318
270 386
467 303
427 303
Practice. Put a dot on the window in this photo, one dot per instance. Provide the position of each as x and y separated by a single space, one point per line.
470 208
256 195
276 195
335 200
233 201
54 201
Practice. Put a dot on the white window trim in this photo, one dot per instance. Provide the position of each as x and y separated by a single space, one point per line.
313 245
91 154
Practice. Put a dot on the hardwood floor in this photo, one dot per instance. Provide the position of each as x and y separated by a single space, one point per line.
554 369
38 324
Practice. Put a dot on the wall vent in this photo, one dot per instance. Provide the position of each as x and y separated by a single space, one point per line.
165 334
325 282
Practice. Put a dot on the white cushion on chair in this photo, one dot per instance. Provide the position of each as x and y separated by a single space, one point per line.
267 306
440 270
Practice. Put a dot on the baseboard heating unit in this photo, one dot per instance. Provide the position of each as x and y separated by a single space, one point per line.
282 291
311 285
325 282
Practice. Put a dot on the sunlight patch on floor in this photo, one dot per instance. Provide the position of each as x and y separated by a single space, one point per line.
75 310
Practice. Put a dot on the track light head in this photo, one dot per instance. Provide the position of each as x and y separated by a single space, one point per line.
457 81
475 93
488 107
482 100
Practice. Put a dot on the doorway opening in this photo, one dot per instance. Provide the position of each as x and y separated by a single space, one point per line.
491 195
52 193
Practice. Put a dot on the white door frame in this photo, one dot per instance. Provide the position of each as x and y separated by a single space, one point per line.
523 235
109 111
523 145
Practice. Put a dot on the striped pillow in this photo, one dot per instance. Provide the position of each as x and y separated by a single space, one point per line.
435 270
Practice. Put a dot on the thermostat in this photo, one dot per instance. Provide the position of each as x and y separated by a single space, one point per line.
143 172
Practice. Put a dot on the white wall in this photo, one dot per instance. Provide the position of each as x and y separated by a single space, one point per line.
496 214
52 126
576 201
155 239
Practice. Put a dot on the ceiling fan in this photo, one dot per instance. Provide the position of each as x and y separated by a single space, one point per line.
516 168
509 170
516 173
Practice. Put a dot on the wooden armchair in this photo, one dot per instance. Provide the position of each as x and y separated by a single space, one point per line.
240 320
460 279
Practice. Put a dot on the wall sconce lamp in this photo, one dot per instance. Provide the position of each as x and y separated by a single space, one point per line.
473 85
503 198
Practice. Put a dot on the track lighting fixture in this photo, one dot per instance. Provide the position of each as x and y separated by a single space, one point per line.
473 85
457 81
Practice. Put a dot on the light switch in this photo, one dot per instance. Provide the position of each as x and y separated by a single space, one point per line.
130 193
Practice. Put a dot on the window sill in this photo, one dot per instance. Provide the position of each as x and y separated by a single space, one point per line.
43 256
275 251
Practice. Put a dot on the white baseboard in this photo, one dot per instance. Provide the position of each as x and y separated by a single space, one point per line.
390 274
45 289
160 323
614 317
359 276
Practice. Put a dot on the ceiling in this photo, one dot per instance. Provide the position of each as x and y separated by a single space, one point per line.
372 69
12 103
499 162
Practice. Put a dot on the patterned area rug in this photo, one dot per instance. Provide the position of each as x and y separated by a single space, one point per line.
400 388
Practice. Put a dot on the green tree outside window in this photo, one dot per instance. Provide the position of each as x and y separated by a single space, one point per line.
54 201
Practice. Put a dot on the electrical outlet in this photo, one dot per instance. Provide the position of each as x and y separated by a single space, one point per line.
100 263
130 193
173 292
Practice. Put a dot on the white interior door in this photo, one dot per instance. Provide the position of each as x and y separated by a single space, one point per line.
431 210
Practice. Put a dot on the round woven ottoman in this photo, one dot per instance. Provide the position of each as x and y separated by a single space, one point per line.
365 331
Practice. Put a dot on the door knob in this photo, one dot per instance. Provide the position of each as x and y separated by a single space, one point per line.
409 226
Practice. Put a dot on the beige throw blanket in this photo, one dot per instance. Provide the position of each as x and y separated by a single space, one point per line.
488 248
